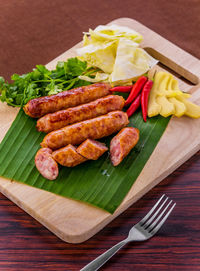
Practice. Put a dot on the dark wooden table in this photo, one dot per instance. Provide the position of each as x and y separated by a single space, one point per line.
34 32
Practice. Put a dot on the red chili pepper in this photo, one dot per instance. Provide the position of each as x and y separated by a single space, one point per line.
134 106
144 98
136 89
121 89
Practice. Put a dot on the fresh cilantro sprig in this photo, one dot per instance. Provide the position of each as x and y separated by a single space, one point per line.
43 82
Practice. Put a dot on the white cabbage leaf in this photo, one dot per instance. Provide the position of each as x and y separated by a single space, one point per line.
130 62
115 50
114 32
101 55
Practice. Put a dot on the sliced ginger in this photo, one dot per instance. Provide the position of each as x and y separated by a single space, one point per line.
167 99
167 108
153 107
173 93
179 107
192 110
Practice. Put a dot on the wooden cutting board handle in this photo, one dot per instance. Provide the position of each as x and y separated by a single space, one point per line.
181 62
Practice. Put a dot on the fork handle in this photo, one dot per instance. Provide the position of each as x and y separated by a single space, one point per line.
99 261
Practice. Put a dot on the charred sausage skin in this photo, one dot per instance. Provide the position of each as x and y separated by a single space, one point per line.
39 107
45 164
94 128
122 144
92 149
68 156
57 120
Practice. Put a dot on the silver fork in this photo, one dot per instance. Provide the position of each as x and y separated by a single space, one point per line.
143 230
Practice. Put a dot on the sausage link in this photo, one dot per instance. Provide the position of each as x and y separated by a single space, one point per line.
39 107
122 144
68 156
57 120
94 128
45 164
91 149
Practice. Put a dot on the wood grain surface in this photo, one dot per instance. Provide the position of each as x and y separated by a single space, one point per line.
43 31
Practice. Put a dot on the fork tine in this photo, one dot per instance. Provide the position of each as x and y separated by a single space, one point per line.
151 211
151 226
163 220
148 222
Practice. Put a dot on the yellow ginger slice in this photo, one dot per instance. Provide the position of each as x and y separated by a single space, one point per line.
167 99
192 110
167 108
174 93
153 107
179 107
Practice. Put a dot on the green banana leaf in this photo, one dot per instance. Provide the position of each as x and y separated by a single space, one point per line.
94 182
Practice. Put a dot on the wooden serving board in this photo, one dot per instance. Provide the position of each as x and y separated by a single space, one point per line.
74 221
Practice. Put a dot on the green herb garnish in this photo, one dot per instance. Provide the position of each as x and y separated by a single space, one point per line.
43 82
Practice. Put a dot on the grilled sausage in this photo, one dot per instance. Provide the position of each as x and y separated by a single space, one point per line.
91 149
68 156
122 143
45 164
39 107
57 120
94 128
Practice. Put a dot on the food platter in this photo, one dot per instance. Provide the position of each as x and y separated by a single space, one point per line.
75 222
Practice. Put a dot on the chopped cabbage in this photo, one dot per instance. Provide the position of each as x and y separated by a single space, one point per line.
130 62
115 50
101 55
114 32
100 76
